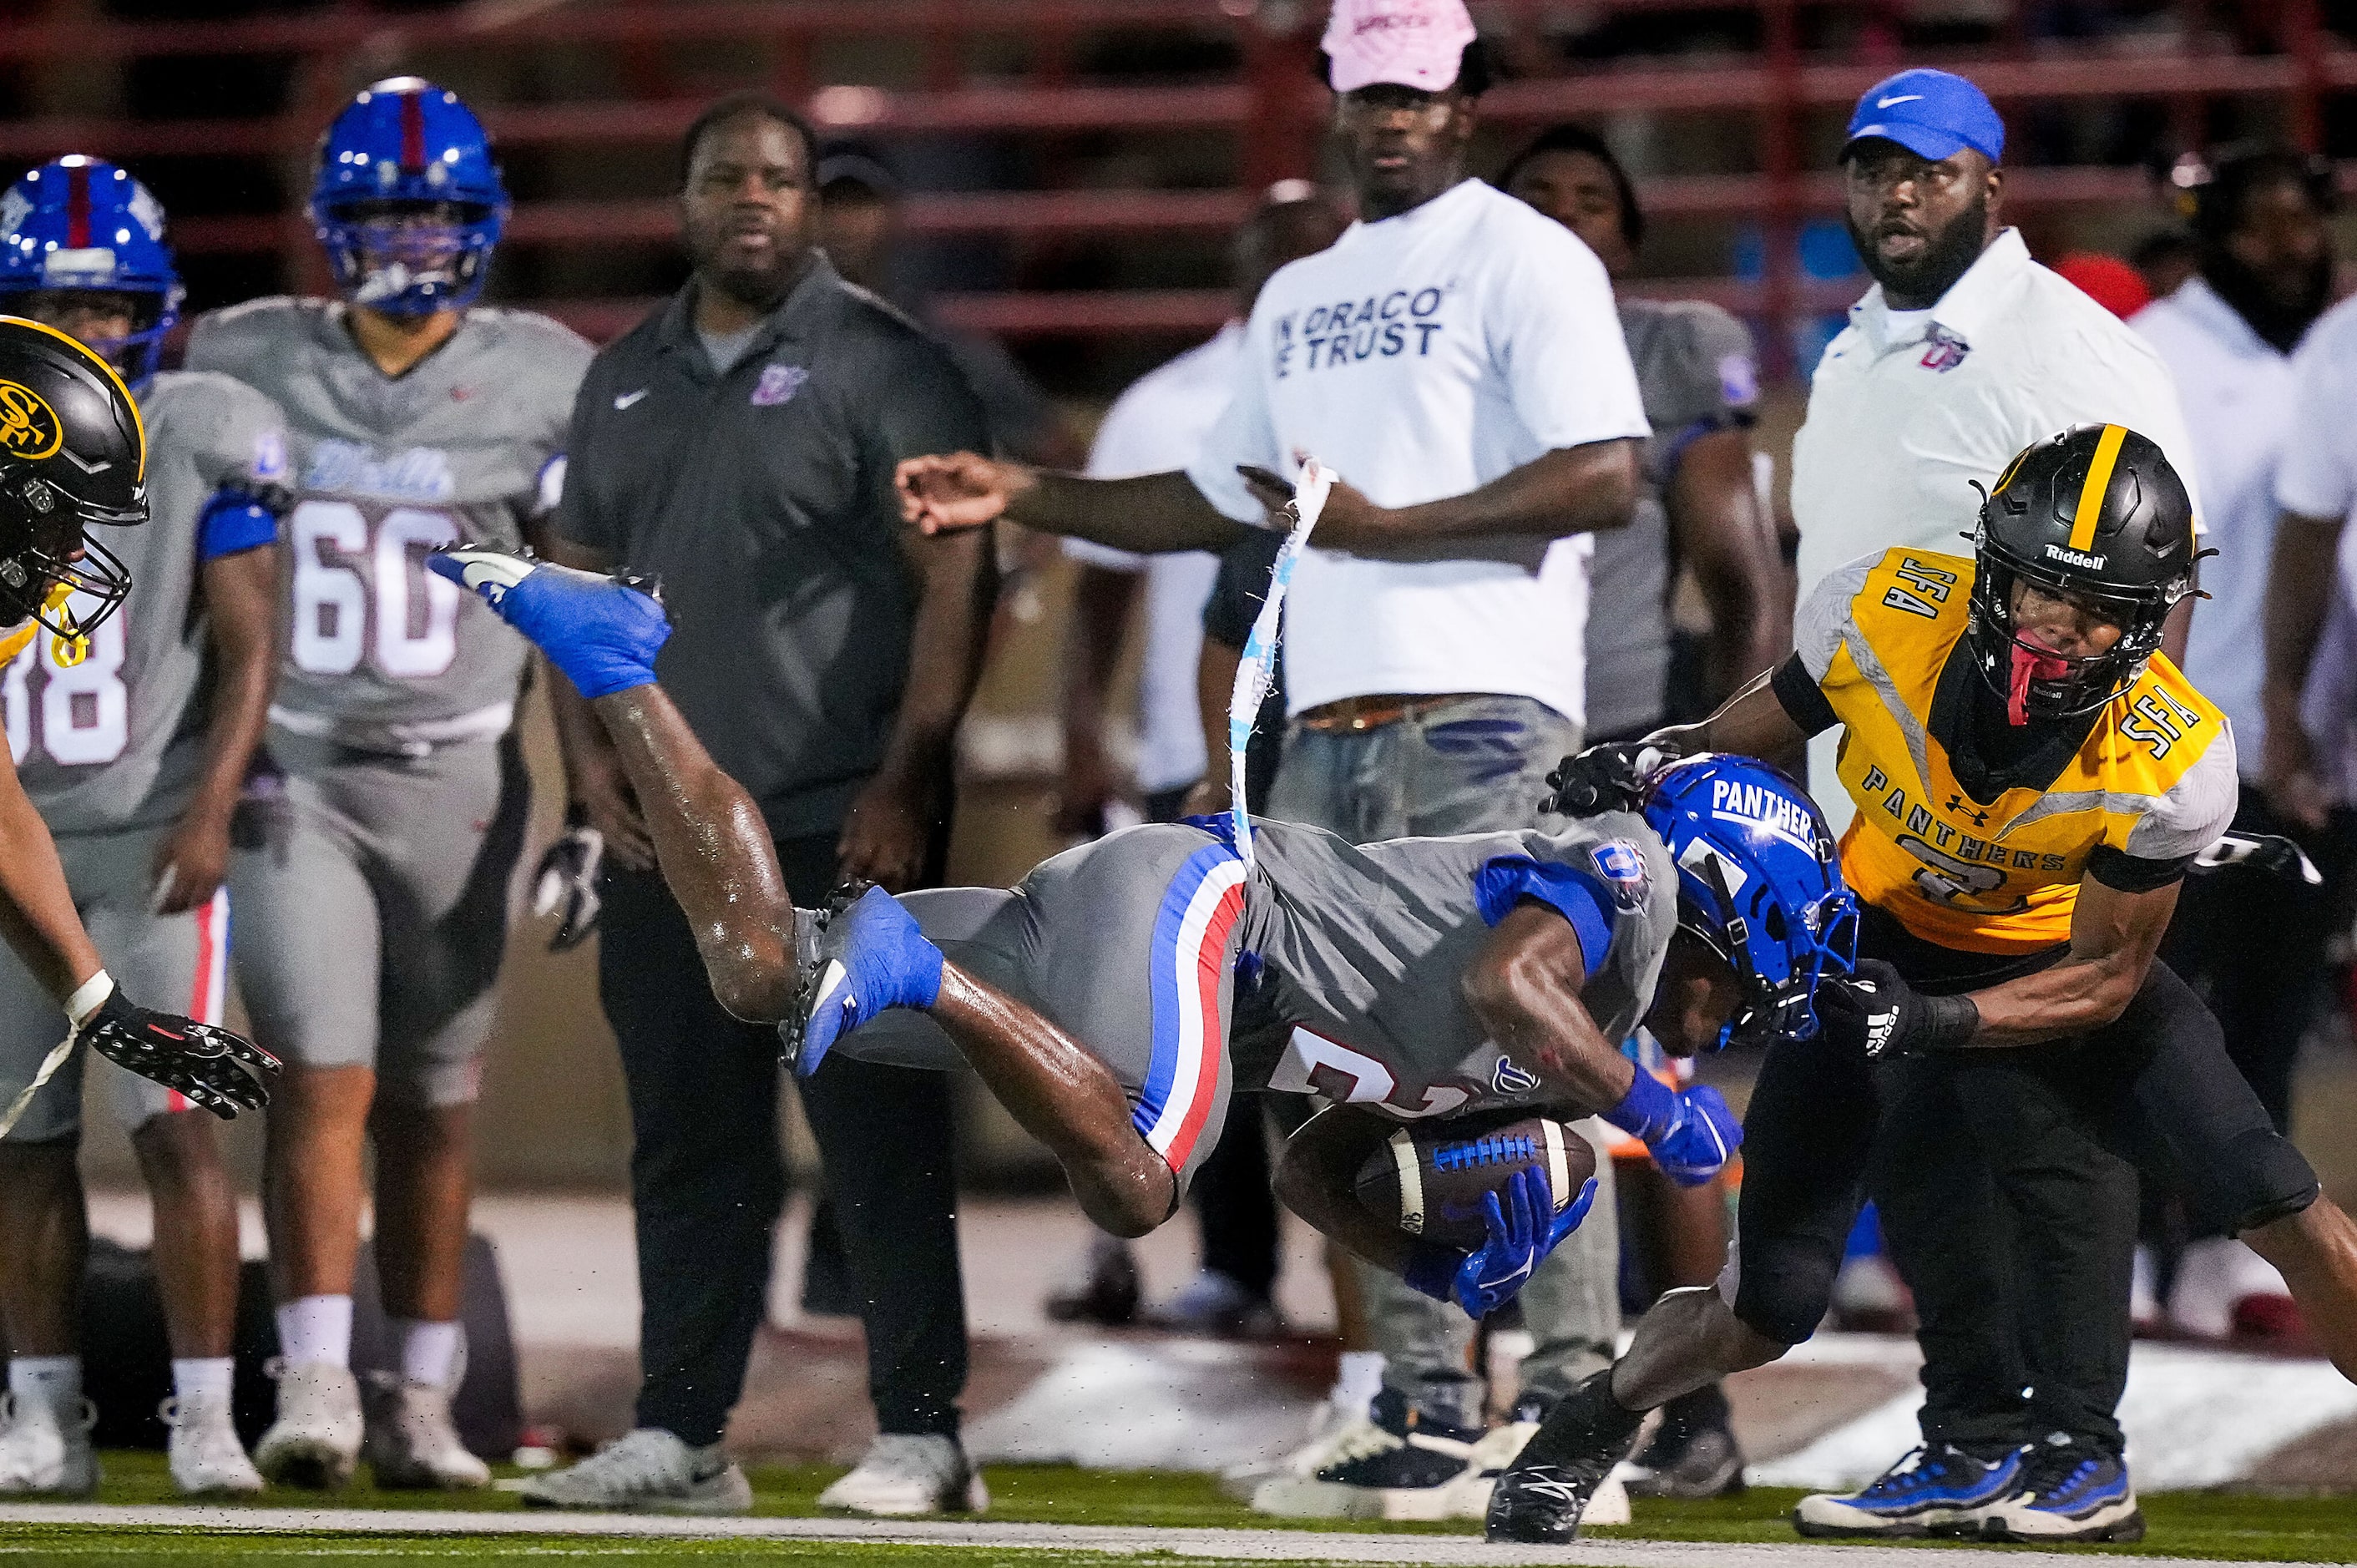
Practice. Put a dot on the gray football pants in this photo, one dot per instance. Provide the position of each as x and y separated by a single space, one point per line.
1477 765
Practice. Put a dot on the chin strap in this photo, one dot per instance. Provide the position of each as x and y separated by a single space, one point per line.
2028 667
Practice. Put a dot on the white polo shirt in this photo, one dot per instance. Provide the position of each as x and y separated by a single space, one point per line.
2317 474
1903 417
1155 427
1422 357
2236 391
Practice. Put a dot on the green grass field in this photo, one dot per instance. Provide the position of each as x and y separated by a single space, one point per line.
2249 1529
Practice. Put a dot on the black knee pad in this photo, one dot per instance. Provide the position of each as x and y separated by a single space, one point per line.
1784 1300
2264 1178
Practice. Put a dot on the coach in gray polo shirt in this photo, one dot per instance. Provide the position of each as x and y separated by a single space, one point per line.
737 446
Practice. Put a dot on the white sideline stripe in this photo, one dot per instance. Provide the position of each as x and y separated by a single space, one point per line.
1262 1545
2194 1417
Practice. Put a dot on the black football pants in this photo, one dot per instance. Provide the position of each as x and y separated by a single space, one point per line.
707 1178
2005 1180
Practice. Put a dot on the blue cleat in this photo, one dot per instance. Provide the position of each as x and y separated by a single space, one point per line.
1936 1490
2068 1491
858 956
603 633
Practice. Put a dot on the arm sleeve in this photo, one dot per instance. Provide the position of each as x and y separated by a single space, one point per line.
1803 700
1711 383
1245 432
2191 816
232 522
1501 883
2314 476
1555 335
1240 587
1821 619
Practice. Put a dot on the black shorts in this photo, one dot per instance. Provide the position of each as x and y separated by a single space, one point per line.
2155 1086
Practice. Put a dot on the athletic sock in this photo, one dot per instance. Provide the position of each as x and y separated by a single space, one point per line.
53 1382
1357 1382
203 1378
429 1352
1698 1410
316 1329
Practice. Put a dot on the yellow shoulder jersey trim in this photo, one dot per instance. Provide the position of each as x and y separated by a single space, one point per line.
2001 875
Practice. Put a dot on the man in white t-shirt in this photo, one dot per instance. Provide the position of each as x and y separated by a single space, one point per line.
2251 943
1457 358
1157 424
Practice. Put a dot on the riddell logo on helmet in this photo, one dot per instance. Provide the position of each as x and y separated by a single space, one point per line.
2074 558
29 428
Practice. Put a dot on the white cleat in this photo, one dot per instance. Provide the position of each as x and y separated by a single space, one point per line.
904 1475
316 1440
44 1454
647 1471
206 1459
413 1445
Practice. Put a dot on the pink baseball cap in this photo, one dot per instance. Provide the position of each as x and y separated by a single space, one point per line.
1409 43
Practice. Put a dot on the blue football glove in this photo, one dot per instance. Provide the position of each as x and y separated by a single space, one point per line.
1522 1232
867 955
603 634
1692 1133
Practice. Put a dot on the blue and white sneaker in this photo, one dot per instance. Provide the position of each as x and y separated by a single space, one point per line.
2068 1489
1936 1490
858 956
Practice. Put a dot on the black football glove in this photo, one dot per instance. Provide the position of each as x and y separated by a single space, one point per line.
1613 777
1891 1016
220 1071
2268 853
566 882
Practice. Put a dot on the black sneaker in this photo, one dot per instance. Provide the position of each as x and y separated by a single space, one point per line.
1104 1289
1543 1495
2068 1489
1693 1454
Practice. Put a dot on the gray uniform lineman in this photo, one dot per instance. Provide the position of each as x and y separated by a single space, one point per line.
110 748
1131 945
374 895
1694 371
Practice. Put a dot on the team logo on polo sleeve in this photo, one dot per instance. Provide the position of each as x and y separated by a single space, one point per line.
29 428
1622 866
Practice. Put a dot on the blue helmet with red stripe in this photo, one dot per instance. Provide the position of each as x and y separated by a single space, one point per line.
407 199
80 225
1759 884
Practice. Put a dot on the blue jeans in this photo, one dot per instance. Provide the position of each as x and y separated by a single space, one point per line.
1473 765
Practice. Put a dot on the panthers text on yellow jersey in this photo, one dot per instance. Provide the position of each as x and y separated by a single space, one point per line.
2153 783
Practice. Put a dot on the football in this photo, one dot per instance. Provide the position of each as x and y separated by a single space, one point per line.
1429 1178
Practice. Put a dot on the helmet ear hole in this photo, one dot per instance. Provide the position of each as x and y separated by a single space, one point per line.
1774 922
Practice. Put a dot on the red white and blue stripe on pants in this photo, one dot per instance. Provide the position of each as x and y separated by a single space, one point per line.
208 992
1200 910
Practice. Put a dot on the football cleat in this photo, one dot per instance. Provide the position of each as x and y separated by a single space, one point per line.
315 1441
603 632
2065 1490
46 1451
1938 1489
1567 1466
1393 1466
1692 1453
413 1445
861 954
903 1476
647 1471
206 1459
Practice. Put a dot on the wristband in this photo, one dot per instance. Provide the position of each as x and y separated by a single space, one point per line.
1432 1271
1649 1110
1949 1021
88 997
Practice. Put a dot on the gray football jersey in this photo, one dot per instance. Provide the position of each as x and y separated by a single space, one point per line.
117 739
1364 948
1694 371
464 447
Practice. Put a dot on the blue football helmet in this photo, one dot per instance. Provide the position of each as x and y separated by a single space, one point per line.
407 200
80 225
1759 884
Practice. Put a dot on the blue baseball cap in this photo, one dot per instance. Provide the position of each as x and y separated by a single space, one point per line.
1931 113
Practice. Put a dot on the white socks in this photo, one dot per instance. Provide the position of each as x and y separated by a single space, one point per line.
316 1329
52 1382
206 1377
1357 1382
428 1352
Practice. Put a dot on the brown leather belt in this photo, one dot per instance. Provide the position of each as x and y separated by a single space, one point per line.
1358 714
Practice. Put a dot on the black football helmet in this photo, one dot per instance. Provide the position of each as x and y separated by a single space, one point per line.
2095 515
73 453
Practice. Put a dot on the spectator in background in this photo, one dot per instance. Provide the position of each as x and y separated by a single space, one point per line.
2107 280
1699 508
1963 353
1456 358
2165 259
739 446
1160 425
2251 943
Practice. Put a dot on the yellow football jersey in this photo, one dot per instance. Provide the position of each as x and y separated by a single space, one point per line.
2154 781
